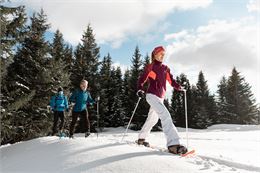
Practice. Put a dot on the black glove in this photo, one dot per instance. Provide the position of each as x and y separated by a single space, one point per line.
140 93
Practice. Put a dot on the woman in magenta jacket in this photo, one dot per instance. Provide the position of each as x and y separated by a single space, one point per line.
157 74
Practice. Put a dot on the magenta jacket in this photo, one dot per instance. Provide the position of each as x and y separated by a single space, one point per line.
156 74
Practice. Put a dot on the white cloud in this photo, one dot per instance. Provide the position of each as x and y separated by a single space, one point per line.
113 20
175 36
215 49
253 6
122 66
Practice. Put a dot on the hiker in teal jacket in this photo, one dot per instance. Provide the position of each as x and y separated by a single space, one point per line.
81 97
59 104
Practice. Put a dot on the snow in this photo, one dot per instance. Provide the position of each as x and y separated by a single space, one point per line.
22 85
220 148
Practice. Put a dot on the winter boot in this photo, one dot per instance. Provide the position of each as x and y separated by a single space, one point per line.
177 149
87 134
142 142
71 136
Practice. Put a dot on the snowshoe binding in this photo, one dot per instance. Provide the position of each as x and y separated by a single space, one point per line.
177 149
143 142
62 134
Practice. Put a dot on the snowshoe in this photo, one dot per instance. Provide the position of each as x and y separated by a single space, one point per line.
177 149
71 136
62 134
143 142
87 134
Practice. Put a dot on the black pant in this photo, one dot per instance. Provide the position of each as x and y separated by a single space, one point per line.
84 121
58 115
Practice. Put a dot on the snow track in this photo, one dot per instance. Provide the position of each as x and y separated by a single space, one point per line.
217 150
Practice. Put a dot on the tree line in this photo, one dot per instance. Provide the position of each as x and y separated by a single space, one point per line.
32 68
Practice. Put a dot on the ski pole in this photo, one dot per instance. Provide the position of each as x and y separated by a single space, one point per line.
131 118
98 98
186 118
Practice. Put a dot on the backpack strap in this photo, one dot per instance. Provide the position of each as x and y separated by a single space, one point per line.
56 98
55 103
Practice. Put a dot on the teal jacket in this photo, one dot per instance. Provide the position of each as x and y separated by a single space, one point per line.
59 102
81 99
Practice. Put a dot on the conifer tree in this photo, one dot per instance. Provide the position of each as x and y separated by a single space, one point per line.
87 62
30 81
105 90
177 101
240 101
204 101
222 115
117 118
125 92
58 65
136 69
12 32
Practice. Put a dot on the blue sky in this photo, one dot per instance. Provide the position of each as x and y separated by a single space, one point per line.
178 21
208 35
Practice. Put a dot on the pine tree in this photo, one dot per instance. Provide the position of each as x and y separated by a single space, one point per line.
78 67
258 115
177 108
141 113
58 67
105 90
222 115
12 31
68 58
192 107
143 108
111 90
125 101
29 82
204 112
147 60
118 114
240 102
87 62
13 28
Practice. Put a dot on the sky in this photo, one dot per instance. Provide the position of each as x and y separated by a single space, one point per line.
212 36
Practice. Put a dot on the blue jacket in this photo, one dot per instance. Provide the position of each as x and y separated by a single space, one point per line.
81 99
59 102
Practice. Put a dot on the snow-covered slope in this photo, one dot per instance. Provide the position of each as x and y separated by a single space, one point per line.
221 148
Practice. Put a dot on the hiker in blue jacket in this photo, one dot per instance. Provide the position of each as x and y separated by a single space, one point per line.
81 97
59 104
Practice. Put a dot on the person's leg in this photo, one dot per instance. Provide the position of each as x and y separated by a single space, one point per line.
61 116
84 123
151 120
86 126
73 122
87 122
55 122
168 127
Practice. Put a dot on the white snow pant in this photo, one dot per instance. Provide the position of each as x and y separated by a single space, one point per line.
158 110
